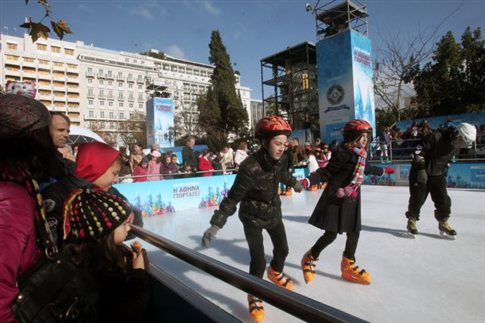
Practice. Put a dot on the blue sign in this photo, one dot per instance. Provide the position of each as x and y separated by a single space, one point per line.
345 83
160 122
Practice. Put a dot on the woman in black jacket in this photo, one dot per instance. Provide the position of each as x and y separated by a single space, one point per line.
256 187
338 209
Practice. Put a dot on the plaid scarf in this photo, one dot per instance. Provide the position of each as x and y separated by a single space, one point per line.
22 177
358 175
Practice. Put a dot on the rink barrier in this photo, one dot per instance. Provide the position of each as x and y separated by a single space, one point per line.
172 195
292 303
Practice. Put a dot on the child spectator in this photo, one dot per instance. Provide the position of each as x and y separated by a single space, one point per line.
140 170
136 155
97 165
205 165
338 209
167 168
154 166
96 223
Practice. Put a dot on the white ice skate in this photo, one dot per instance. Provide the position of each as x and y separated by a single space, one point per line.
446 230
412 228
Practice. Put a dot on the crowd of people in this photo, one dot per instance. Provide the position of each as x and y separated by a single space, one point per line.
392 143
49 204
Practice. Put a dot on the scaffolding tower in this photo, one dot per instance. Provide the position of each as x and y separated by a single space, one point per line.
289 78
339 15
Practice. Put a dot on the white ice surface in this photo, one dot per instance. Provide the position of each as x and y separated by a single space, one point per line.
428 279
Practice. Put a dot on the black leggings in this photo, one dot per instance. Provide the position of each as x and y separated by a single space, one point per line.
328 237
254 237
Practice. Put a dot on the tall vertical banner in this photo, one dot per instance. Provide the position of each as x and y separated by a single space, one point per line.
345 84
160 122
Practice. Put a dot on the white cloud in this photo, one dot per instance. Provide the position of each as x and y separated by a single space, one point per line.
209 7
176 52
149 10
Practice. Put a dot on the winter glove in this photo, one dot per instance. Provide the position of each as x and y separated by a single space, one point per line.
298 187
209 235
388 170
305 182
349 191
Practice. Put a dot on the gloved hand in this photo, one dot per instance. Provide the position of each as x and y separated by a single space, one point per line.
349 191
209 235
298 187
305 182
388 170
422 176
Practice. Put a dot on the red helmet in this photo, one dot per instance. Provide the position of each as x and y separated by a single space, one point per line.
271 126
355 128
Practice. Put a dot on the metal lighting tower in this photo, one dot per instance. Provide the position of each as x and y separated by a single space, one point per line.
335 16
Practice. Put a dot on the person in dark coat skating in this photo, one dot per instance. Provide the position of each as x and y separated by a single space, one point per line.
429 170
256 187
338 209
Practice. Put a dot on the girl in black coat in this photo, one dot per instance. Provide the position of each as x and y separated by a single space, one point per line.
256 187
338 209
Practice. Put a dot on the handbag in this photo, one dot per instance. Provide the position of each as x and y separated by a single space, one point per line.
56 290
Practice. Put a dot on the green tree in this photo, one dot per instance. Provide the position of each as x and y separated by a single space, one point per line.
221 111
453 82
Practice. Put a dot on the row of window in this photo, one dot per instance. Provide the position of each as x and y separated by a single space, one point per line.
120 84
120 104
186 70
45 47
110 75
40 61
111 115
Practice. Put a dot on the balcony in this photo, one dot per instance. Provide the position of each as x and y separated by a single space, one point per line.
72 70
89 74
140 80
110 77
45 86
73 100
120 78
73 90
131 98
12 73
28 64
130 79
46 97
101 76
90 95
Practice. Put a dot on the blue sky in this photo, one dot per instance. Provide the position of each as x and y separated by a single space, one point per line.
250 29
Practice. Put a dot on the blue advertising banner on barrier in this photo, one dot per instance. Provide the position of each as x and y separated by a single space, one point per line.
169 196
160 122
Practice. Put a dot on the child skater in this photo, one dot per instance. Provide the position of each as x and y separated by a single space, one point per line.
256 187
95 224
338 209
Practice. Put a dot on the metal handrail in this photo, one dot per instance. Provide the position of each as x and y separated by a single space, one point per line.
295 304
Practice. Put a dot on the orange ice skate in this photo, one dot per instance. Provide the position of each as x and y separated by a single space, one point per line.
280 279
256 308
308 266
351 272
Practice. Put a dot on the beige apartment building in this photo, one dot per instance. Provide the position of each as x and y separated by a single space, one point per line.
98 88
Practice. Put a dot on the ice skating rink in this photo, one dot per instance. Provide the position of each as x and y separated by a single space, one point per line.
427 279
